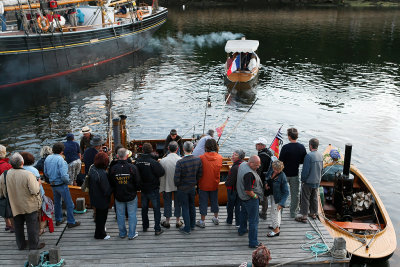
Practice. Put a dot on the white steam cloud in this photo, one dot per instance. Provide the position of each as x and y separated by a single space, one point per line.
189 42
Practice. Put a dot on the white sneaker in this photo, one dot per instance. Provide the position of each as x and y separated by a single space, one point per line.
107 237
215 220
136 235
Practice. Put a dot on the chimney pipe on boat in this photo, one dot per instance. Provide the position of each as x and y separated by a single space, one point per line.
123 129
347 160
116 131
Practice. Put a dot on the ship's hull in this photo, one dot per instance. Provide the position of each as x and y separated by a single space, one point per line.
25 59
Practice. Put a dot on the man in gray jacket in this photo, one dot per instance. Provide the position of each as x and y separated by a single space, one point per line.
310 179
250 190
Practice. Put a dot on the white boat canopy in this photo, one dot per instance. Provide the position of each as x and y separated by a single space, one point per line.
241 46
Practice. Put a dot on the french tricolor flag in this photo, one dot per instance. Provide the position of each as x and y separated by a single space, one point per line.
234 66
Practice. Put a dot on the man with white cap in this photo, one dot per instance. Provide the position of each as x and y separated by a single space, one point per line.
85 141
265 157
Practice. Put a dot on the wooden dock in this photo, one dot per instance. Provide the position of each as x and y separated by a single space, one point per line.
216 245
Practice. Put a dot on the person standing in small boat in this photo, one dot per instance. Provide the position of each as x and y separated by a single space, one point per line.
280 193
88 157
125 181
44 152
250 190
100 192
208 183
73 158
200 147
150 171
292 155
230 183
85 140
167 185
173 136
188 171
265 157
310 180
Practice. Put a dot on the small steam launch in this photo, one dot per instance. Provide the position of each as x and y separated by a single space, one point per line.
49 38
350 208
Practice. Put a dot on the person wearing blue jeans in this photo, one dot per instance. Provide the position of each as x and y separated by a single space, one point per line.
188 171
186 201
131 207
62 192
154 197
249 211
56 168
124 179
250 190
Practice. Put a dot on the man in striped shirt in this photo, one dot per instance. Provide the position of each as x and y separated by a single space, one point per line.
188 171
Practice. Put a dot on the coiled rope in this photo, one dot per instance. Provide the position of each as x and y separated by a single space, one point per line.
80 211
44 256
316 248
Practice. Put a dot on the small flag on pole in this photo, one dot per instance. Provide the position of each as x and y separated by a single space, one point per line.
234 66
221 128
276 143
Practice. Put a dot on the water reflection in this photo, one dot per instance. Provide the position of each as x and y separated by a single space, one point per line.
331 73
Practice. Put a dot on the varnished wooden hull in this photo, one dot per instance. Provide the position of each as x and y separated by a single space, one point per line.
384 243
76 192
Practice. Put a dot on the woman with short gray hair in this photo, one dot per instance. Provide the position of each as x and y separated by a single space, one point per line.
277 182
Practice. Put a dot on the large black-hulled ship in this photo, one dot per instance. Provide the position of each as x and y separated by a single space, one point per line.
28 57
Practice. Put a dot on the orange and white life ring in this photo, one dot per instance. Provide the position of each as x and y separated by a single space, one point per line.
43 23
139 14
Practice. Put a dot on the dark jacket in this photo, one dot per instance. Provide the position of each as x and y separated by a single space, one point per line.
88 157
99 188
265 157
188 172
180 144
150 171
125 181
232 175
85 143
279 186
292 155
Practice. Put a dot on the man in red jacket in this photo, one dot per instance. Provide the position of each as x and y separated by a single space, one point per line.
208 183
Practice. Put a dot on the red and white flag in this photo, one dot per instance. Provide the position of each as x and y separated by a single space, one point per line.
221 128
234 66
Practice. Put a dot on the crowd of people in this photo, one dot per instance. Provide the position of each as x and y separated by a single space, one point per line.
182 173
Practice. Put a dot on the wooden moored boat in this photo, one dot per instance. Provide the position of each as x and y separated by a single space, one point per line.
351 208
237 72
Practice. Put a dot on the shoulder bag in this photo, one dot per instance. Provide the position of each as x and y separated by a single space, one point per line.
5 208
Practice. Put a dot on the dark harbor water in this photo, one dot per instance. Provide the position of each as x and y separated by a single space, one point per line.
331 73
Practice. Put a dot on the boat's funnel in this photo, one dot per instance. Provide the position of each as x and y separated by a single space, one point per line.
347 160
116 131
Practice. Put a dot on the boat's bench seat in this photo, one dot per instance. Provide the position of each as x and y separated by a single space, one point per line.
358 226
332 184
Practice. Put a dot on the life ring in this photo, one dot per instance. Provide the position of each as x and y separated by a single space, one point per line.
139 14
41 21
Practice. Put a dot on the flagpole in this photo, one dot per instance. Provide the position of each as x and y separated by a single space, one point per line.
222 131
239 122
205 110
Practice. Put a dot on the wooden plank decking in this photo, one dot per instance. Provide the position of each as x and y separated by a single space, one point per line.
213 246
